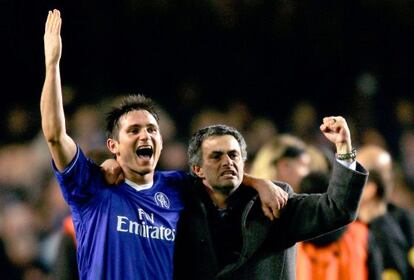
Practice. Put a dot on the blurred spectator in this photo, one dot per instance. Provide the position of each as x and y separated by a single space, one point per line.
259 131
238 115
392 226
85 126
349 253
19 237
365 100
21 124
51 210
372 136
14 160
174 156
304 123
65 266
282 158
205 118
320 162
406 145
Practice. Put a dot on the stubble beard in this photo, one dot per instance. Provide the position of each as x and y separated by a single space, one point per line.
225 190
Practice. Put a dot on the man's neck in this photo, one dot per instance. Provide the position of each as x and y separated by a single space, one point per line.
219 195
219 200
140 179
371 210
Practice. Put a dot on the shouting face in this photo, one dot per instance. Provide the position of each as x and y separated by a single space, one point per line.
222 164
138 147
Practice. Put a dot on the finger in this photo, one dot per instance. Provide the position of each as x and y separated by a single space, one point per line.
282 202
120 179
330 124
110 179
329 121
275 208
286 199
267 212
57 21
59 25
283 199
49 18
117 170
326 120
338 123
52 22
276 213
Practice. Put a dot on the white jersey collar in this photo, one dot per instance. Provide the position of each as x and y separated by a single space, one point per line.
138 187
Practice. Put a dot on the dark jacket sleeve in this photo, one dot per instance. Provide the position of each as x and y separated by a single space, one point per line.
374 261
310 215
65 267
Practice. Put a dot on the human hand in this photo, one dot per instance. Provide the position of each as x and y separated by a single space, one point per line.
52 39
336 130
112 172
273 198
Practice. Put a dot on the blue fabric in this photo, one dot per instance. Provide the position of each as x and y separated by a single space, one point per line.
122 233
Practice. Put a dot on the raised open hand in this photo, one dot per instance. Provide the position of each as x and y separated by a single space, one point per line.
52 39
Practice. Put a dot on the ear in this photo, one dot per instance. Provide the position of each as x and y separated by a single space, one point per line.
370 191
198 171
112 145
281 166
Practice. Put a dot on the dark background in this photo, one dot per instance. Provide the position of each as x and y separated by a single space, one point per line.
270 54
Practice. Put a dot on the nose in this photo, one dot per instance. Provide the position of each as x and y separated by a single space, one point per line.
227 160
143 134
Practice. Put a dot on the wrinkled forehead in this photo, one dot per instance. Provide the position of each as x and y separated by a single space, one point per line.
220 143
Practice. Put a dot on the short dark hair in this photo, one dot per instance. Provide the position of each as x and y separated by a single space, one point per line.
315 182
376 178
194 146
135 102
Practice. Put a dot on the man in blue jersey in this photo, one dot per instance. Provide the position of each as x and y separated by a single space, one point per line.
123 232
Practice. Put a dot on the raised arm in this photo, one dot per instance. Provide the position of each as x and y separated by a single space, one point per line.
337 131
61 146
320 213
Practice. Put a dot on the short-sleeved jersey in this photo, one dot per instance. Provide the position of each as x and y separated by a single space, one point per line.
122 233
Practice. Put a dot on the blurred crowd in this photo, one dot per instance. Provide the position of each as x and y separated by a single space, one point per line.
32 209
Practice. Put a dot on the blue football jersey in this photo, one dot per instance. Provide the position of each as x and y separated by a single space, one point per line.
122 233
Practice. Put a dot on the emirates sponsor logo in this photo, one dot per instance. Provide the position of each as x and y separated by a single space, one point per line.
145 226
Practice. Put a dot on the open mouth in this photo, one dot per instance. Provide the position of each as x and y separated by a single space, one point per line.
145 152
229 173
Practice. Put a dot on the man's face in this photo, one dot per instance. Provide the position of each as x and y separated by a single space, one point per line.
139 144
222 165
293 170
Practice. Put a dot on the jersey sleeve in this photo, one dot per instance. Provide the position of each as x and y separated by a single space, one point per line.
81 180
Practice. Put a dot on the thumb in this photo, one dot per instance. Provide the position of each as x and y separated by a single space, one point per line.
120 179
267 212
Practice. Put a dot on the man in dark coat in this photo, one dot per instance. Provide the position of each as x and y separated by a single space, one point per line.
222 232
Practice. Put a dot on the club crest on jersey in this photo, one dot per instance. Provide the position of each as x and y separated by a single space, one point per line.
162 200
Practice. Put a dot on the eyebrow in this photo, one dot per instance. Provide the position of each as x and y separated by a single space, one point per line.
222 152
151 125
